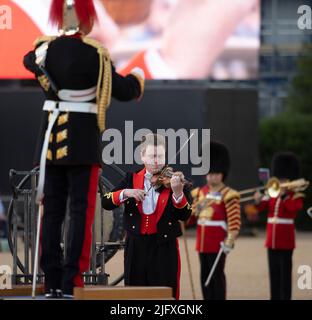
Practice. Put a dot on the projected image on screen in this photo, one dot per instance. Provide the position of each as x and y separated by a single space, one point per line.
169 39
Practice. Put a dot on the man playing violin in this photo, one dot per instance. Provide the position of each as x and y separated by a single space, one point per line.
151 218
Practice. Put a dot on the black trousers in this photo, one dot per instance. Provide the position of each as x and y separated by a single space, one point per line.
148 263
280 267
79 183
216 289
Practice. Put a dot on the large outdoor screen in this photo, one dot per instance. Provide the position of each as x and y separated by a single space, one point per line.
170 39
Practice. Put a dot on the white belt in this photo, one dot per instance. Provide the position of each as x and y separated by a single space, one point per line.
280 220
212 223
77 95
51 105
84 107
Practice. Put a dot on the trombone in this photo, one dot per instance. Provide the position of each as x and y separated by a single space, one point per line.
274 187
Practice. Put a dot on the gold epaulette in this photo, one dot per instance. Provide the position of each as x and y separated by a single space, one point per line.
42 39
231 194
298 195
94 43
104 85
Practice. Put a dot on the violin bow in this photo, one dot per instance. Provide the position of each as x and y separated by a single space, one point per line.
187 254
183 146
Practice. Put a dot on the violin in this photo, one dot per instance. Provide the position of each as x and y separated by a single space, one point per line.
163 177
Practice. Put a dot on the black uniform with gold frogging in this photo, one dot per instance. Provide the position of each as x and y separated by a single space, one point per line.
74 63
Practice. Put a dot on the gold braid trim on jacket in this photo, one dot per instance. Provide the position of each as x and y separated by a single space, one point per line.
104 85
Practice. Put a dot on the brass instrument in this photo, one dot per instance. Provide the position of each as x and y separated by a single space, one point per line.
273 188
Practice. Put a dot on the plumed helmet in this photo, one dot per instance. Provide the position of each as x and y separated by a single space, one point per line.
70 15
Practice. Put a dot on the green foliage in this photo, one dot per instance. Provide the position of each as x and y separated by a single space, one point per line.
300 97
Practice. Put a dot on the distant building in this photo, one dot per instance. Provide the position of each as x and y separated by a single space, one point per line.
281 46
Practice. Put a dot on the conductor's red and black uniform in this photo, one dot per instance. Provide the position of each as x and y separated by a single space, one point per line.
152 255
280 235
217 216
78 79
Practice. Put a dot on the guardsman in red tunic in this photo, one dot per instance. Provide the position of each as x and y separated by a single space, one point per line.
151 220
216 208
282 211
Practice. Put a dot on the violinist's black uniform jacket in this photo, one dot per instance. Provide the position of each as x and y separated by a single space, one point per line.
152 250
77 71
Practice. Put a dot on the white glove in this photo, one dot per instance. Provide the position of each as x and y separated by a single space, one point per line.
226 248
41 54
139 72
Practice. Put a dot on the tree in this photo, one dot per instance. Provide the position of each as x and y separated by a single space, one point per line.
300 97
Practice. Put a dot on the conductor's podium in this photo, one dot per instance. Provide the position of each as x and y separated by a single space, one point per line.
21 292
95 293
122 293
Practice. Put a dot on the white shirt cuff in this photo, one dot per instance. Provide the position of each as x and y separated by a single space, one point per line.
121 196
178 200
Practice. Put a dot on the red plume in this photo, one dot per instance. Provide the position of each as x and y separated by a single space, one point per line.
85 11
56 13
84 8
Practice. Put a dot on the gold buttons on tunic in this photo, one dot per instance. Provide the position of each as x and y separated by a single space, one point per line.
49 155
61 153
62 119
60 136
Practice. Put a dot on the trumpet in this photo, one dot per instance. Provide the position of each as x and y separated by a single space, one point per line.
274 187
